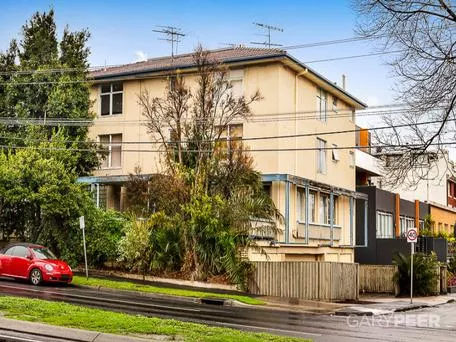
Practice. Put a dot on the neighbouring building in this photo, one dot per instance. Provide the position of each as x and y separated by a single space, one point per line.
388 218
314 190
443 219
437 185
389 215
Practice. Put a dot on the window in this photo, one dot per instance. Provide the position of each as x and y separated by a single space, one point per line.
406 223
111 98
301 205
421 224
10 251
323 209
230 137
385 229
322 104
20 251
113 143
335 102
335 153
236 78
352 158
321 156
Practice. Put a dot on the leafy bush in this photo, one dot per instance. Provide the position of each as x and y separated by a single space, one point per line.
452 280
424 273
452 265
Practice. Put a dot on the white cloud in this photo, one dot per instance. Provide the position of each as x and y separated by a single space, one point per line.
141 56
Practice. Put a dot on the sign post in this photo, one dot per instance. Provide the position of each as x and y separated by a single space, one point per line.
412 237
82 226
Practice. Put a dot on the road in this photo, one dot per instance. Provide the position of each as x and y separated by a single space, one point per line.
432 324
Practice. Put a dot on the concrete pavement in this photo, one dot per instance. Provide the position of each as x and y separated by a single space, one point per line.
373 305
44 332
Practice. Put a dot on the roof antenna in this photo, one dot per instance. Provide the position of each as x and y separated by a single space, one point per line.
172 34
267 28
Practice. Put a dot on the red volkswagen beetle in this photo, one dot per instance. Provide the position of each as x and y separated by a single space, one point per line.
34 262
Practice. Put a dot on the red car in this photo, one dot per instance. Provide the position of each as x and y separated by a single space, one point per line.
33 262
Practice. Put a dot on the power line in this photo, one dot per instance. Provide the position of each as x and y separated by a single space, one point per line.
253 138
399 146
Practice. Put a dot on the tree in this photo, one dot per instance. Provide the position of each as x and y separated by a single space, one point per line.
423 33
45 78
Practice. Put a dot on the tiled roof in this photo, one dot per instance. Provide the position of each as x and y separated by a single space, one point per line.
186 60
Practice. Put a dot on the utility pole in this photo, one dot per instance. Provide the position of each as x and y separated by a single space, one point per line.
268 29
172 34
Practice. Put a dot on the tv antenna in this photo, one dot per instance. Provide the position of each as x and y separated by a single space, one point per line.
171 34
268 29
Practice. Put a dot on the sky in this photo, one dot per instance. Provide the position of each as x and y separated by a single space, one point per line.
121 32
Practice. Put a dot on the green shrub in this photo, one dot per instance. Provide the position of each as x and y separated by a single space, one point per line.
425 273
452 265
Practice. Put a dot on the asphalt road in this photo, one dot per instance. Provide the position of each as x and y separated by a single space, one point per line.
433 324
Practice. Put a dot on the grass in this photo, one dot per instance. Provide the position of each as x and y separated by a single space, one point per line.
69 315
130 286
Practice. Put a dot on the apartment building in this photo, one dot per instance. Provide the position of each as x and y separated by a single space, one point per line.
313 188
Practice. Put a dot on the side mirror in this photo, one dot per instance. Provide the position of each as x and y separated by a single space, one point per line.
29 256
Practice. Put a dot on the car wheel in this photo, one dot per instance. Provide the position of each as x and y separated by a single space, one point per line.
36 277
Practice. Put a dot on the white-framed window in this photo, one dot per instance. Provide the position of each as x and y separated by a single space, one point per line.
301 205
334 104
236 81
322 99
385 227
421 224
111 98
230 137
335 153
113 144
324 211
406 222
352 160
321 156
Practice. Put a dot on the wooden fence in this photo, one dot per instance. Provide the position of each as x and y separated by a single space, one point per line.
329 281
377 279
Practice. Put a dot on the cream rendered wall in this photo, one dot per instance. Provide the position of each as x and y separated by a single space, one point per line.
282 93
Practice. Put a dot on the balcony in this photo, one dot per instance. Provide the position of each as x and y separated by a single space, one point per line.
367 163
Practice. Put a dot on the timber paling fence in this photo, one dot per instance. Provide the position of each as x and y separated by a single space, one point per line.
377 279
312 280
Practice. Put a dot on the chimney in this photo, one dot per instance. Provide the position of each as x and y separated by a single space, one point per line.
343 81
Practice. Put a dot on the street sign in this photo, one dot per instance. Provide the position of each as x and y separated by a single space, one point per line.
81 222
412 235
412 238
82 226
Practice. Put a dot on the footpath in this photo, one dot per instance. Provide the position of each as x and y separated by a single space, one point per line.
44 332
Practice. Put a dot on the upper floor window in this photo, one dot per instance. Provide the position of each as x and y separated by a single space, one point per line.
406 223
230 137
335 153
321 156
113 143
352 158
236 81
111 98
385 227
335 103
322 99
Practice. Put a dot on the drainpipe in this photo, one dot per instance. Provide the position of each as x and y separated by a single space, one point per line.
287 211
365 223
351 221
307 214
296 118
98 195
331 216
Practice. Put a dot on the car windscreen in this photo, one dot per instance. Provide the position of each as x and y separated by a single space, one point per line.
43 253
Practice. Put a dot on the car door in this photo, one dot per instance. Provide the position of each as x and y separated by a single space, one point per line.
20 262
5 261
